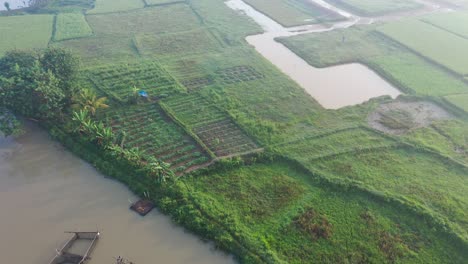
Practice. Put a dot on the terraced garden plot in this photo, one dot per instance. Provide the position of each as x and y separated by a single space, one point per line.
376 7
70 26
214 127
189 73
25 32
96 50
108 6
454 22
239 74
148 129
119 81
460 100
335 143
436 44
152 20
195 41
293 13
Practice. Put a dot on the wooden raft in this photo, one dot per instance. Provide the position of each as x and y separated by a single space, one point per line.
64 256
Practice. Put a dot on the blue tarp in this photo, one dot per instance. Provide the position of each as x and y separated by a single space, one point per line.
143 93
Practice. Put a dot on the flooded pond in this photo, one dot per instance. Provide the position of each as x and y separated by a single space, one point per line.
14 4
45 190
332 87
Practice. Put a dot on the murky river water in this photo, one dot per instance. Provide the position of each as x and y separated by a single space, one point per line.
45 190
332 87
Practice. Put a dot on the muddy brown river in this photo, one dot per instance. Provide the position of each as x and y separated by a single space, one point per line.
332 87
45 190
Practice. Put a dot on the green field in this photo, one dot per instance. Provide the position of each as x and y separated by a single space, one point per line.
110 6
149 21
158 2
452 22
187 42
25 32
460 100
436 44
376 7
293 13
71 26
405 69
286 213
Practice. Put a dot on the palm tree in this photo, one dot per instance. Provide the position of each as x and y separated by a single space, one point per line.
82 121
87 99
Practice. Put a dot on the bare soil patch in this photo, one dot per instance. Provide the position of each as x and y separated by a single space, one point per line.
399 117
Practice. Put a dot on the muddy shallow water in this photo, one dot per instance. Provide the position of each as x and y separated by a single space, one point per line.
332 87
44 191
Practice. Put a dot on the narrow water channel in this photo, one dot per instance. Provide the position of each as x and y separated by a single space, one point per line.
332 87
45 190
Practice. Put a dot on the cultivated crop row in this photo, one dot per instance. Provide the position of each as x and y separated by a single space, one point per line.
213 126
120 82
145 127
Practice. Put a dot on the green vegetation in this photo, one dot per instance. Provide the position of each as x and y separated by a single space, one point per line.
109 6
159 2
294 12
145 127
436 44
195 41
460 100
452 22
407 70
25 32
68 6
376 7
268 174
70 26
120 81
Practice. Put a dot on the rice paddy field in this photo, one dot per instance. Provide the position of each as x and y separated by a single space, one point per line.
376 7
316 185
71 26
110 6
452 22
295 12
434 43
25 32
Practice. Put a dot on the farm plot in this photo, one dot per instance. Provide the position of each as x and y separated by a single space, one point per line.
70 26
25 32
459 100
153 20
189 73
119 81
97 49
108 6
238 74
452 22
149 130
376 7
428 180
293 13
195 41
436 44
214 127
347 141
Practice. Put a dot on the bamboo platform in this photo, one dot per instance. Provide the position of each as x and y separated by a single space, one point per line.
64 256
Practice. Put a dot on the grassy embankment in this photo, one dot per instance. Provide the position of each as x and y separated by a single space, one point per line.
271 212
376 7
295 12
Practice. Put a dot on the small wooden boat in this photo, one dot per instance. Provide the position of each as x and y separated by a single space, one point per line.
65 256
